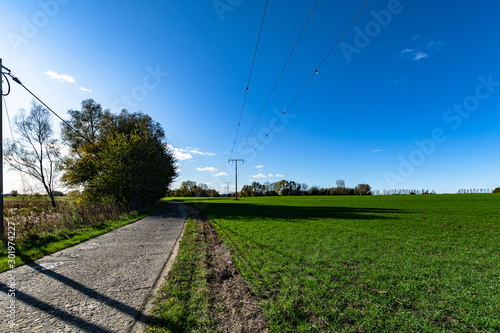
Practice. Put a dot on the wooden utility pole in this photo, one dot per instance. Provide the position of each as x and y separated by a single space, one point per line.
236 176
1 145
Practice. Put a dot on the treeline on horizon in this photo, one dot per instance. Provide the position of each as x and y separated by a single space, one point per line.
283 188
291 188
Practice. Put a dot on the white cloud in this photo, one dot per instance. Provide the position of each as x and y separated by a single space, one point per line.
417 54
195 151
85 89
183 154
179 154
221 174
376 150
60 77
211 169
259 167
260 175
420 55
407 51
270 175
279 176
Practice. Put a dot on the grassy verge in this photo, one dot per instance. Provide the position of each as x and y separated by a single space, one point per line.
388 263
183 302
37 247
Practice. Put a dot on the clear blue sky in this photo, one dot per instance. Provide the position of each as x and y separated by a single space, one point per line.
409 99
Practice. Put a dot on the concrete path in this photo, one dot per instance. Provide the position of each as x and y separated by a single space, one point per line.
97 286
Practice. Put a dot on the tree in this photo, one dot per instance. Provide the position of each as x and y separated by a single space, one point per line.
497 190
340 183
246 191
36 152
86 125
124 158
363 189
14 193
314 190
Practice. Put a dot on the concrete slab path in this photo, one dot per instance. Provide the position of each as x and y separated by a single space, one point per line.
100 285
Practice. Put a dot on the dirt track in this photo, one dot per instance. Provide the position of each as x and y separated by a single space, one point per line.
97 286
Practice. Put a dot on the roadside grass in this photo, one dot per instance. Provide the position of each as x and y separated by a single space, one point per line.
382 263
183 303
37 245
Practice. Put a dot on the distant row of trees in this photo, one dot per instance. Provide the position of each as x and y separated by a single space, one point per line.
15 193
192 189
286 188
476 190
403 192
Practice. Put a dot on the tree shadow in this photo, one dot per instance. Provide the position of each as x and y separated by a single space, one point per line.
58 313
295 213
68 317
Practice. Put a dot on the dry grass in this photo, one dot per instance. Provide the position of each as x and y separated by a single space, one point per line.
35 218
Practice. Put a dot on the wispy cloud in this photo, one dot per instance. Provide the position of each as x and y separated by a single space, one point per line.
260 175
198 152
60 77
259 167
435 46
211 169
421 51
377 150
220 174
270 175
187 153
405 51
179 153
85 89
419 55
397 81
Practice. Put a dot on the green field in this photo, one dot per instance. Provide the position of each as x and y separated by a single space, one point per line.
374 263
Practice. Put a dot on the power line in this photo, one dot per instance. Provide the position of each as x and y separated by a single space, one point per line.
316 71
281 73
12 135
8 118
249 77
15 79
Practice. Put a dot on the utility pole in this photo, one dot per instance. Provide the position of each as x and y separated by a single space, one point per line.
227 188
1 145
236 178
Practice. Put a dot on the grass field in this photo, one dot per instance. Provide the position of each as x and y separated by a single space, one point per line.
382 263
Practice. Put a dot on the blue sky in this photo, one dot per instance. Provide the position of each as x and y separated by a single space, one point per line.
409 99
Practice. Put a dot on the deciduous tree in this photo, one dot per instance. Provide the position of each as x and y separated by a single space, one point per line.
124 158
35 152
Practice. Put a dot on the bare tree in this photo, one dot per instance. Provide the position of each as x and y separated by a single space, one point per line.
36 152
340 183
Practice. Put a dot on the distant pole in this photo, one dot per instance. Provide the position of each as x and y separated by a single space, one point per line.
1 146
236 178
227 188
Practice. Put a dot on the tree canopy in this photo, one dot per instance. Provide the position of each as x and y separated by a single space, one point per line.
122 158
